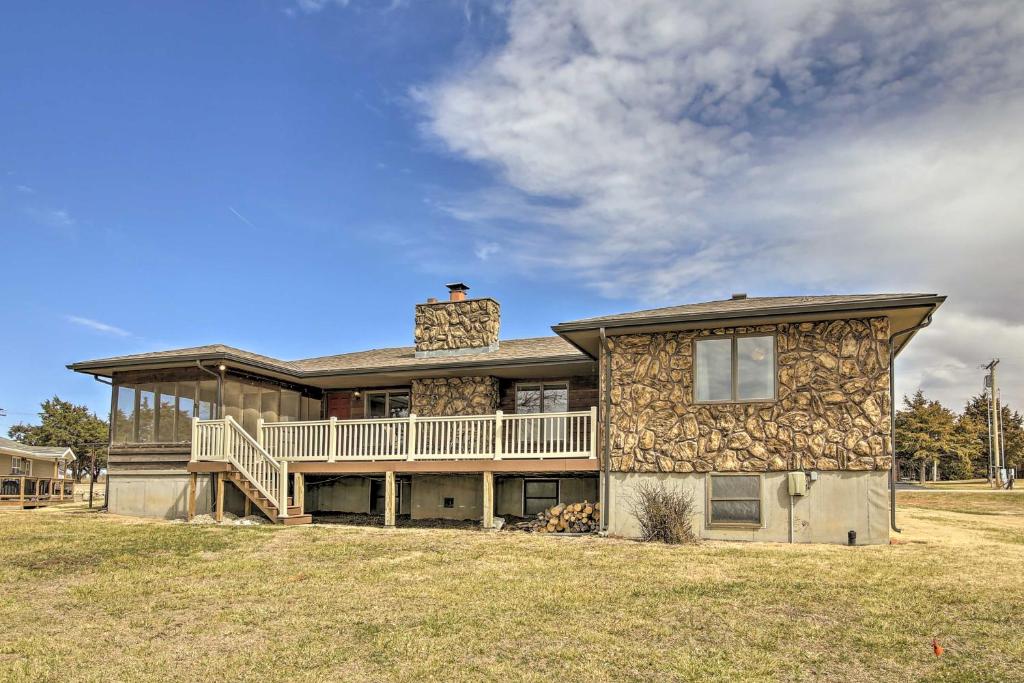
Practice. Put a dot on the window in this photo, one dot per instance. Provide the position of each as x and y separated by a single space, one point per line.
539 495
186 410
207 400
734 369
22 466
542 398
448 502
165 416
734 500
387 404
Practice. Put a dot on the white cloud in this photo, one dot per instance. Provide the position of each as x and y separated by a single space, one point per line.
690 150
53 218
24 189
98 326
313 6
486 250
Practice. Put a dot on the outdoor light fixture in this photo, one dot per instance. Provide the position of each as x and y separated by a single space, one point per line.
355 394
222 367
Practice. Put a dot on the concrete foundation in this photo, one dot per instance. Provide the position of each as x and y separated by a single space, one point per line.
160 495
429 492
835 504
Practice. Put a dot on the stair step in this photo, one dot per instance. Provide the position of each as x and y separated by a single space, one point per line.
297 519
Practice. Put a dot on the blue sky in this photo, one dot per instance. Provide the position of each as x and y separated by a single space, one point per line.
291 177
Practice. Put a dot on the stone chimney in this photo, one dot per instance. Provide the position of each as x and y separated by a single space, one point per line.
459 326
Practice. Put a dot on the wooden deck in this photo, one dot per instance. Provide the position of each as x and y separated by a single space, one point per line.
21 492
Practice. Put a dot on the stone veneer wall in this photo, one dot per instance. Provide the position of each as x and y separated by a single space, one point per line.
831 413
452 325
447 396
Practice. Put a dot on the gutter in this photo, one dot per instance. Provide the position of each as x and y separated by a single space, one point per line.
869 304
893 471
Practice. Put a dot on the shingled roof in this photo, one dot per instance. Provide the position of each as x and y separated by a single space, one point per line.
509 352
747 306
46 452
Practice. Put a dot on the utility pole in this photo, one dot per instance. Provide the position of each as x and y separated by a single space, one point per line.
996 450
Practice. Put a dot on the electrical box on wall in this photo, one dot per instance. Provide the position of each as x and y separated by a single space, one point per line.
797 484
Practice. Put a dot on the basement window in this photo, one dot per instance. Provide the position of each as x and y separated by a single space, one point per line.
734 500
449 502
734 369
539 495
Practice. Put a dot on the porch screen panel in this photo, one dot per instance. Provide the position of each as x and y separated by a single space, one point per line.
270 405
124 415
310 408
207 399
147 413
250 407
186 409
167 410
233 401
290 406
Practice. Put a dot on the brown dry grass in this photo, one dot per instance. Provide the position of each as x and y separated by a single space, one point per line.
973 503
90 597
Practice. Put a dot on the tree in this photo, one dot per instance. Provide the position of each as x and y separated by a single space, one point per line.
977 409
925 431
65 424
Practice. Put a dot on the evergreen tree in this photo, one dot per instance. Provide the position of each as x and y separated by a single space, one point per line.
64 424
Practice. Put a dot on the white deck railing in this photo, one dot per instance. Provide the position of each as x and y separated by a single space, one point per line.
533 436
226 441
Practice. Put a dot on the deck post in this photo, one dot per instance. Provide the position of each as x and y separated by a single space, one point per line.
389 499
282 494
410 441
219 513
195 439
248 507
299 482
192 486
259 433
593 432
499 439
21 492
488 519
332 440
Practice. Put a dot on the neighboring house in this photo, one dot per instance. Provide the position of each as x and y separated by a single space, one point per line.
34 476
737 401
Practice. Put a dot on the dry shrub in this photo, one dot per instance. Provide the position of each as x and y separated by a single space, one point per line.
663 514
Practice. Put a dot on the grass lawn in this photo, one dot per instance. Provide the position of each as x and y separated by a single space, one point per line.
974 503
92 597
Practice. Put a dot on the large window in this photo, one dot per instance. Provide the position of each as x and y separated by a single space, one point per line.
732 369
542 398
539 495
22 466
734 500
387 404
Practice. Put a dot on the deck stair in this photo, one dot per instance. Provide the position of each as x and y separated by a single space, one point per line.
295 515
261 479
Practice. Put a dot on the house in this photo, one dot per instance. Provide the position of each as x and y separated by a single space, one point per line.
34 476
774 412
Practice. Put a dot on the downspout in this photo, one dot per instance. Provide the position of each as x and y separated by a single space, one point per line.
220 387
606 418
893 471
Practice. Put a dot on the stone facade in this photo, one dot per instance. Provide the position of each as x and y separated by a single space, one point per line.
455 325
452 396
831 412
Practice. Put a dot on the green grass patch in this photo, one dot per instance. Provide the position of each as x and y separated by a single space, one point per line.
87 597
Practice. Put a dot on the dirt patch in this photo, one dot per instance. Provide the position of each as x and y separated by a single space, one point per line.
402 521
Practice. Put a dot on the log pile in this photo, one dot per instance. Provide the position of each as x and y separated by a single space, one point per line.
573 518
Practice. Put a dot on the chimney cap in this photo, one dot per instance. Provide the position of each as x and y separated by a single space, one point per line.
739 295
457 287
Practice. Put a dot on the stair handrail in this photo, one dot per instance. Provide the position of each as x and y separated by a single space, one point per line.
235 430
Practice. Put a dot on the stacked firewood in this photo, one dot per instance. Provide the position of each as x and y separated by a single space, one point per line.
573 518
